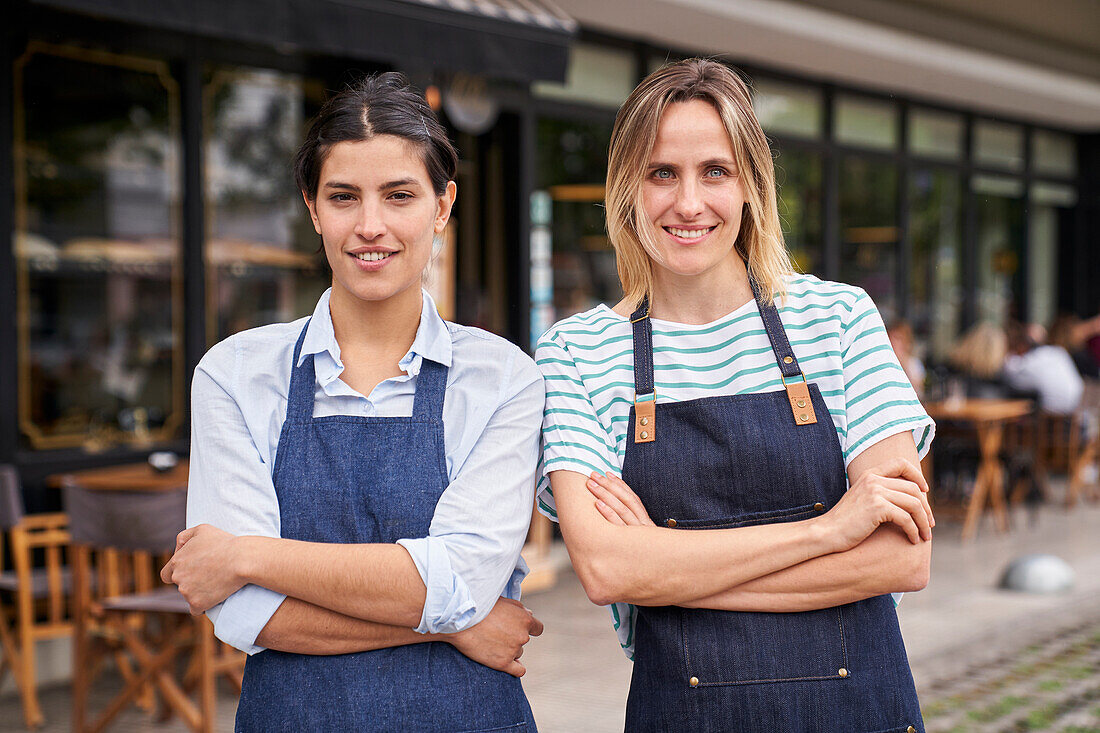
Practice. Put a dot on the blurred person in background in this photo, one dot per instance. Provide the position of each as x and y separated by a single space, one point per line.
978 359
1073 334
904 345
1046 369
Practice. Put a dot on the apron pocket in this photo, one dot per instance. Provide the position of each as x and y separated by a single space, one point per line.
744 648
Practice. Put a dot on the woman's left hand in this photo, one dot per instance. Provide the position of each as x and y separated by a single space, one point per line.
203 567
617 502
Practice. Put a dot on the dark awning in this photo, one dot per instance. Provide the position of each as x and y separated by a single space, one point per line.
523 40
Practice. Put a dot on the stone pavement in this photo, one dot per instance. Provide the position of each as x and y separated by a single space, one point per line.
984 659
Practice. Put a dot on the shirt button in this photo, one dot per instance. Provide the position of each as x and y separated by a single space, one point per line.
671 522
819 507
694 682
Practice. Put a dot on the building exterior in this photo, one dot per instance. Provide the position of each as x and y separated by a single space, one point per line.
942 155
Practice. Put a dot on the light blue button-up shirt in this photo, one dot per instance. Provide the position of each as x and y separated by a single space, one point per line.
492 415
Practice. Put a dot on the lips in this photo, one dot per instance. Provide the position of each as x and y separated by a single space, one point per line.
371 256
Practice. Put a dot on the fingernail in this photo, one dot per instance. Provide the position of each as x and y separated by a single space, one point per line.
600 503
592 484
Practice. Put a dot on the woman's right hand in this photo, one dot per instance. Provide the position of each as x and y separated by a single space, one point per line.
497 640
894 492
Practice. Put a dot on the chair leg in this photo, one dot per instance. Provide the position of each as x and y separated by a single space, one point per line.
207 681
32 712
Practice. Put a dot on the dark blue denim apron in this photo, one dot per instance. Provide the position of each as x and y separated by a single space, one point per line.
357 479
738 461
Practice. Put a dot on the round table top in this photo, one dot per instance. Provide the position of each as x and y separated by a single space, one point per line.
128 477
978 409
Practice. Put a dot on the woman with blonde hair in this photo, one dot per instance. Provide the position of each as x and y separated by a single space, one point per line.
699 438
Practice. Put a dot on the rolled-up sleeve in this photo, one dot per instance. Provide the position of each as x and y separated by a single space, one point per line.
230 487
471 555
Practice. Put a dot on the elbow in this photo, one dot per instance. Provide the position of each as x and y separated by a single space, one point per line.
917 570
599 581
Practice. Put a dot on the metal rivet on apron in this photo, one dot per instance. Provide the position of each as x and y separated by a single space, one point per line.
671 522
842 672
645 421
694 682
787 360
819 507
644 435
802 403
910 729
803 417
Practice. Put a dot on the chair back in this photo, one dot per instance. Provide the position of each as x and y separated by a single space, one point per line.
126 520
11 497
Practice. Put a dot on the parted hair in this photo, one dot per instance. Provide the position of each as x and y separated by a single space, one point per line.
760 239
379 104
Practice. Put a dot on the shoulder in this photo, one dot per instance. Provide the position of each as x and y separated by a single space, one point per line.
804 291
490 356
586 330
251 354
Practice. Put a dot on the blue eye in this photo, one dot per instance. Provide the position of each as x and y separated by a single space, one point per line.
715 173
662 174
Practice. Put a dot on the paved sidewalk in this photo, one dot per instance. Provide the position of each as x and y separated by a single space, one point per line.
984 659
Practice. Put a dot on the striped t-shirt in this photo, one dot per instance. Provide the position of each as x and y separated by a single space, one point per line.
838 338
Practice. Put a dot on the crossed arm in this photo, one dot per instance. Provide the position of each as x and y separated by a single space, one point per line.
876 540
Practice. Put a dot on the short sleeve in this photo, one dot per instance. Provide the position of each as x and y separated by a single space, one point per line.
573 438
879 401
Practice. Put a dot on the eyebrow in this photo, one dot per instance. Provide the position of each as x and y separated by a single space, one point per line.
387 185
704 164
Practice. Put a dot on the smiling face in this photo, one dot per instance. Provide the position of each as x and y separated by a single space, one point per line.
692 195
377 215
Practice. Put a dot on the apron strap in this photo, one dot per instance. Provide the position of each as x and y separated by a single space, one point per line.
303 383
645 395
798 391
431 387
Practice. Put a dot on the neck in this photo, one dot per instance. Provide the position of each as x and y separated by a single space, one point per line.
698 299
381 328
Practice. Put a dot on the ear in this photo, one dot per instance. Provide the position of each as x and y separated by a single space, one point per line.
444 204
312 206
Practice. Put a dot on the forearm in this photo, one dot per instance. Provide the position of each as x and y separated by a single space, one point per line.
303 628
886 562
372 582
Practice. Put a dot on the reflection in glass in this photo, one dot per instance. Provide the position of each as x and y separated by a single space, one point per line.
868 123
798 177
1050 217
261 250
1054 154
935 277
788 109
1000 208
572 166
98 249
935 134
868 228
999 145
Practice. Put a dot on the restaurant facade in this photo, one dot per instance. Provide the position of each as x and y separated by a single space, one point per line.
949 170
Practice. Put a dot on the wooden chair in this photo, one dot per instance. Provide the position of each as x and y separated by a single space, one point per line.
122 610
1069 444
32 599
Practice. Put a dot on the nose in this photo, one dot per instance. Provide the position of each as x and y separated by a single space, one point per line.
370 225
689 199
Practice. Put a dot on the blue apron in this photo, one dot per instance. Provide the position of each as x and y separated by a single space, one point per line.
353 479
753 459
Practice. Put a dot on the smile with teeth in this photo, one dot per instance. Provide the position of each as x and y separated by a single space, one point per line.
688 233
372 256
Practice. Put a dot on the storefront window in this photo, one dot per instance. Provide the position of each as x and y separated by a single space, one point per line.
999 145
868 123
935 276
798 177
788 109
1050 216
1054 154
97 200
935 134
572 166
261 250
600 75
868 228
1000 207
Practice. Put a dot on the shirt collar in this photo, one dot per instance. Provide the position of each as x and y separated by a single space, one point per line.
433 338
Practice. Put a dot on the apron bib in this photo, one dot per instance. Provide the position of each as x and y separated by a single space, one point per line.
754 459
352 479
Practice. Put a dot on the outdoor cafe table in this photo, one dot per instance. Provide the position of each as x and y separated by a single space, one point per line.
988 418
128 477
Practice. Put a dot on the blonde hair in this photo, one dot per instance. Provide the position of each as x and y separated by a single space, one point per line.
760 240
981 351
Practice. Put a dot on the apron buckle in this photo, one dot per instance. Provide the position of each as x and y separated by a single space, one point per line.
798 394
645 419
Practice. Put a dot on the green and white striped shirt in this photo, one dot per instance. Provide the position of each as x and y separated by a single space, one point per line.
835 330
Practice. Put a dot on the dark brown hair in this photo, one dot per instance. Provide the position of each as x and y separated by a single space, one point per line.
381 104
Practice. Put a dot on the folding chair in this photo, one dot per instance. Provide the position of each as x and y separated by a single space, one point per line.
32 599
122 610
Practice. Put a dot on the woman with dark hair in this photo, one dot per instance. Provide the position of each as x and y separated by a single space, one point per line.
361 480
732 449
